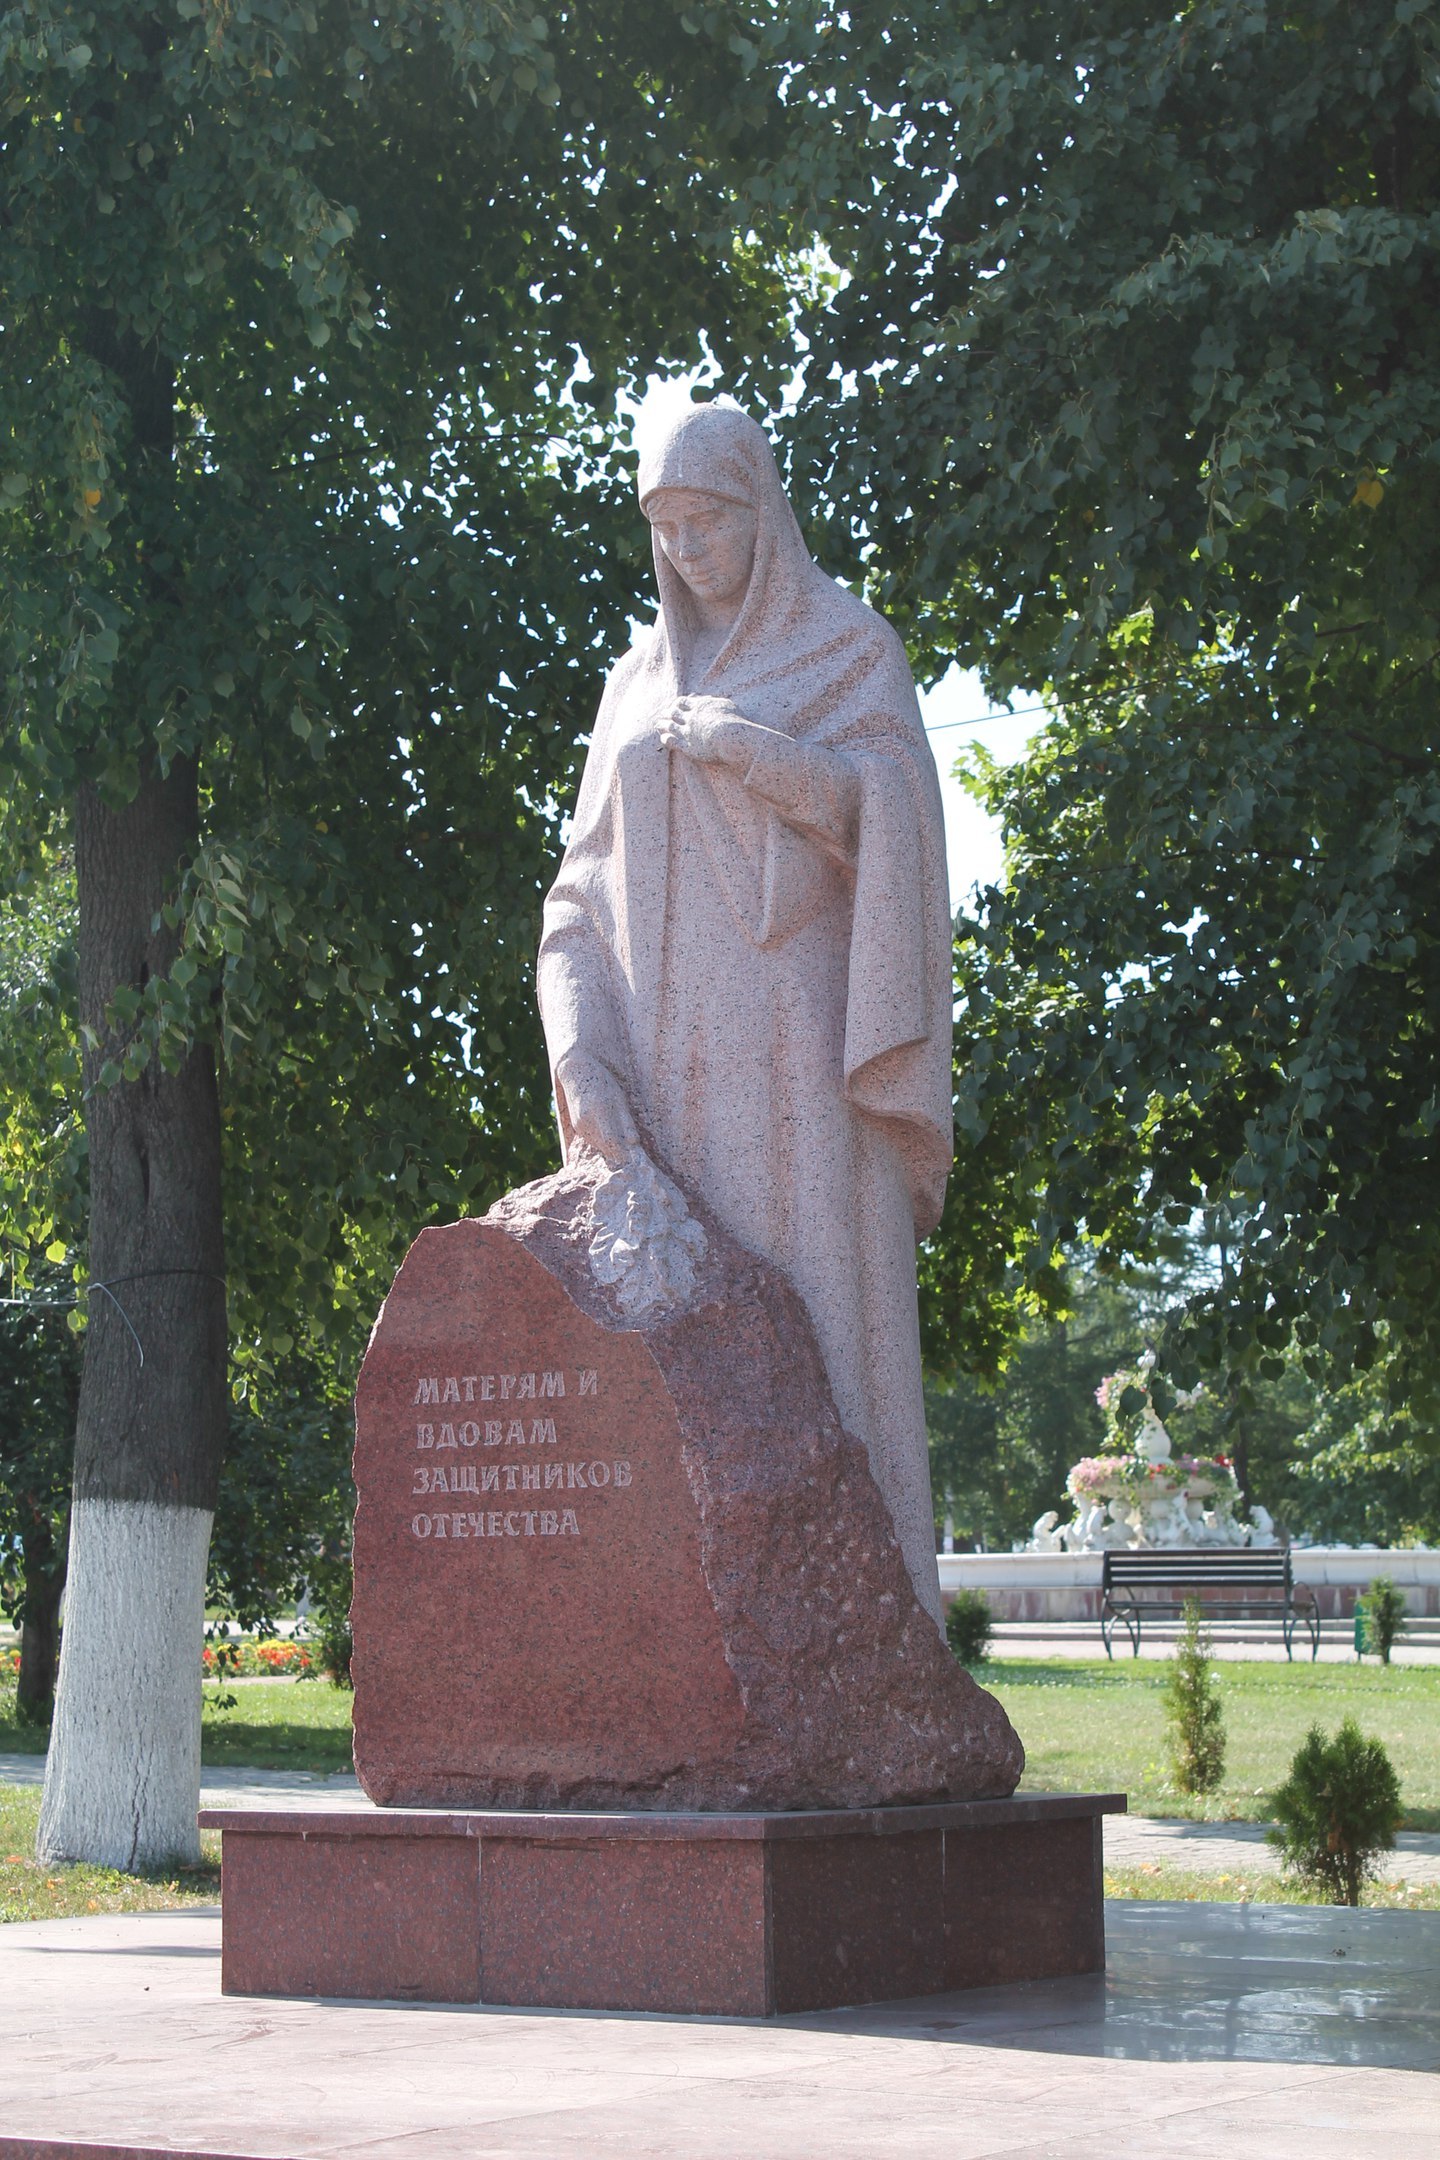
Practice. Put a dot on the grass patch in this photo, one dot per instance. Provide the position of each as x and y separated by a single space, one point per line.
1092 1725
1088 1726
260 1724
31 1892
1255 1887
276 1725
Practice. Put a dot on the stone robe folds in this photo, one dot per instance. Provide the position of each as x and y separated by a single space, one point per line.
762 958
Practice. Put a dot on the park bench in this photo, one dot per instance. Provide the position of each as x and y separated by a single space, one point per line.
1154 1585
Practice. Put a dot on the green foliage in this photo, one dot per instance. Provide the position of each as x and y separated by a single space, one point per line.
1231 1068
1384 1608
1328 1464
313 328
39 1388
1194 1718
331 1580
39 1379
41 1147
999 1454
1337 1812
968 1626
286 1500
335 1647
1132 391
1362 1472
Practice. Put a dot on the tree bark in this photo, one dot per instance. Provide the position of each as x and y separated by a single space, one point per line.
122 1784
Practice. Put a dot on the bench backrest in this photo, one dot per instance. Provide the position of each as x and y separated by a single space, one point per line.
1162 1568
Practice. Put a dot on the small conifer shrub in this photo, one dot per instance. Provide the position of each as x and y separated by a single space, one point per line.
968 1626
1337 1812
1384 1609
1195 1723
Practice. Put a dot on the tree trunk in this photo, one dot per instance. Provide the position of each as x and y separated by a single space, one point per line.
122 1784
44 1563
1241 1466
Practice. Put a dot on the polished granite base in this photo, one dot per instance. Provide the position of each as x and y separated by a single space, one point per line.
1217 2032
723 1914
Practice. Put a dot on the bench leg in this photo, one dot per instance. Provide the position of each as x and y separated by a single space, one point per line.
1107 1629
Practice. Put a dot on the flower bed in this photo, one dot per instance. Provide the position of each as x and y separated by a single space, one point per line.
231 1658
239 1657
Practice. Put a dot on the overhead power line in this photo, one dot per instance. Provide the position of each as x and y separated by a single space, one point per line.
1021 712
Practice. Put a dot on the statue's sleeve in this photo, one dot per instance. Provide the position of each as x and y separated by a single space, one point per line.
900 992
575 967
814 789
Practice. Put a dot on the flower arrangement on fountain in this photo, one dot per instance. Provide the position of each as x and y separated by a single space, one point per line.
1111 1477
1139 1492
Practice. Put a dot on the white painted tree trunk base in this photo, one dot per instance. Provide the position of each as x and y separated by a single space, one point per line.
122 1784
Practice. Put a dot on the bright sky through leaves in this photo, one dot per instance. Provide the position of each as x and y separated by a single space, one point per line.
957 712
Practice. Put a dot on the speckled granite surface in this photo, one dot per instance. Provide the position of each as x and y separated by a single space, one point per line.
602 1563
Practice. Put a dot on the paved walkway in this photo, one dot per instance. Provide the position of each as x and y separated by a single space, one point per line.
1081 1639
1237 1849
229 1786
1219 2033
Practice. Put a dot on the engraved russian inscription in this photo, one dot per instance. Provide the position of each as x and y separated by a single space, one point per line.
518 1522
435 1436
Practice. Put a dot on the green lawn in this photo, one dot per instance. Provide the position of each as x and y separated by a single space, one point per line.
263 1724
31 1892
1087 1724
1194 1886
276 1724
1090 1725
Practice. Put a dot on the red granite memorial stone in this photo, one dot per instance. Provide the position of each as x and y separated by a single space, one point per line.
604 1562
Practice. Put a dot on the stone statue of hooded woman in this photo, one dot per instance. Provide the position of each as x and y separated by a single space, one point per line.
745 969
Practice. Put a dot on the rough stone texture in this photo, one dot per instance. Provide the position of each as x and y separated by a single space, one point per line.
725 1622
710 1914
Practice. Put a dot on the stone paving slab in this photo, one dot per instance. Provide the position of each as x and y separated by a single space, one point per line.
114 2035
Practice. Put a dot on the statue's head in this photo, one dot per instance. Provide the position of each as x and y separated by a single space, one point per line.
707 475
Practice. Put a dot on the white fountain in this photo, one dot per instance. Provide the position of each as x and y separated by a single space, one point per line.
1142 1493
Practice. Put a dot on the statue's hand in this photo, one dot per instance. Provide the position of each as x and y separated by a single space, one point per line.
710 730
599 1114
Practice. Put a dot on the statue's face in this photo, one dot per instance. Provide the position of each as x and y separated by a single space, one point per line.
709 539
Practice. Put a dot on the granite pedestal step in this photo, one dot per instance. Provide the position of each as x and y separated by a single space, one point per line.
723 1915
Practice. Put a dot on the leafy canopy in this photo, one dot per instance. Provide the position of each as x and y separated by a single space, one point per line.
1132 389
313 320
